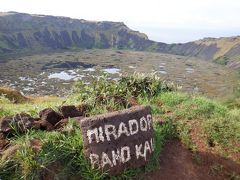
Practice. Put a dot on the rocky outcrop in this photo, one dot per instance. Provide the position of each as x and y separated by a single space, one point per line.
192 49
24 33
48 120
104 43
50 116
70 111
86 40
223 50
21 41
17 124
21 32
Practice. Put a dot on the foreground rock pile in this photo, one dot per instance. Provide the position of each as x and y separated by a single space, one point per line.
48 120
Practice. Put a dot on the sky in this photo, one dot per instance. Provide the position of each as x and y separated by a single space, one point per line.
170 21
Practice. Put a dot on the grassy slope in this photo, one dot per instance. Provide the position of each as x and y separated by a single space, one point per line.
125 38
224 44
14 23
201 124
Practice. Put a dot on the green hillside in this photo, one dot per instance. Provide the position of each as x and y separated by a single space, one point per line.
224 50
24 33
202 125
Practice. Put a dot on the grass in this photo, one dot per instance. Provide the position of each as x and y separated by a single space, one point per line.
186 117
12 95
7 108
59 148
216 123
233 101
224 45
197 117
103 91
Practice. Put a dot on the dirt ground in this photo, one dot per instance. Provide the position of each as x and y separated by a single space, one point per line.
178 163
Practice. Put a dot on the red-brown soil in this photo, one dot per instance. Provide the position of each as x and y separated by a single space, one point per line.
178 163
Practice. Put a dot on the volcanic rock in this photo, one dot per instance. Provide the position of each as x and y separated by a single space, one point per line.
45 125
70 111
50 115
20 122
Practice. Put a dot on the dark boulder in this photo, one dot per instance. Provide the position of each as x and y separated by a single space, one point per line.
70 111
5 125
23 120
20 122
45 125
36 124
50 115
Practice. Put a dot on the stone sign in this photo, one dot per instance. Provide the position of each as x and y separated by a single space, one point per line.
119 140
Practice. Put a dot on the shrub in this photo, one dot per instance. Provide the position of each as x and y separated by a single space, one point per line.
136 85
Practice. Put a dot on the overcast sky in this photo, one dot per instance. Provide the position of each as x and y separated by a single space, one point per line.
162 20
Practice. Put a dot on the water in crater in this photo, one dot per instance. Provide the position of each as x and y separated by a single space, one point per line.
61 75
112 70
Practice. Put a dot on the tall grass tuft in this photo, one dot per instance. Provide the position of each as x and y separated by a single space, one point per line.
103 90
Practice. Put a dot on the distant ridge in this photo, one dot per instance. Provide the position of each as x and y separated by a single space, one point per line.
224 50
22 33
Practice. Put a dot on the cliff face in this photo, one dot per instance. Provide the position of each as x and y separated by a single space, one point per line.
225 50
192 49
23 32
